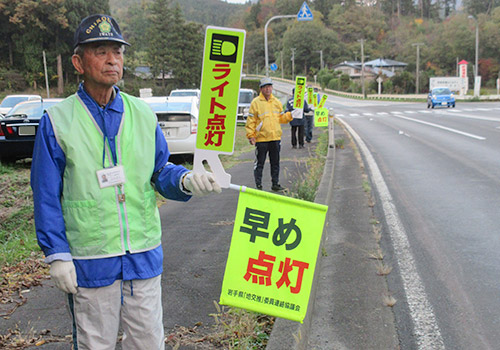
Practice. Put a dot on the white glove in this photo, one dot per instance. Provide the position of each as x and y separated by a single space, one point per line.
64 275
297 113
200 184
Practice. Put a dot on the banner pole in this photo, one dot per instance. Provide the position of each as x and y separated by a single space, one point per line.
237 187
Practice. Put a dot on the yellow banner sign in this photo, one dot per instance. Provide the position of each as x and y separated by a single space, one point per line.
220 84
273 252
315 100
300 90
310 95
321 117
322 102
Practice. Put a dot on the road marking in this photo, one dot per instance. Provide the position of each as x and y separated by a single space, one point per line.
427 112
410 112
491 119
443 127
368 114
354 115
426 329
483 109
339 115
382 113
396 112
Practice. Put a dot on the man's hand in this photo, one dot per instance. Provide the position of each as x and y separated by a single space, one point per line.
64 275
200 184
252 140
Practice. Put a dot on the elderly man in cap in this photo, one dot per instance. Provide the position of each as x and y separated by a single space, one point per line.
99 156
263 130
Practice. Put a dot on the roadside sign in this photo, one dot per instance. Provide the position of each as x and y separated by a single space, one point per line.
273 253
300 89
321 117
273 67
305 13
220 85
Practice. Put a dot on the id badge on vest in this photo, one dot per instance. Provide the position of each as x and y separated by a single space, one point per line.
109 177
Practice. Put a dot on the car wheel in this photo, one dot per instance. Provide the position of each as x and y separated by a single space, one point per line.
428 106
453 105
433 105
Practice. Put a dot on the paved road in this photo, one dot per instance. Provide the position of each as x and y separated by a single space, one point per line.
441 167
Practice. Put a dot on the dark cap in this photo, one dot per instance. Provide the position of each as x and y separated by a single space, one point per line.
98 28
265 81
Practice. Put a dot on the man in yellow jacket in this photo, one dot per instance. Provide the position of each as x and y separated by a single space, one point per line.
263 130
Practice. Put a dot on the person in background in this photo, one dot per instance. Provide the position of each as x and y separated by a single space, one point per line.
99 156
297 124
263 130
309 119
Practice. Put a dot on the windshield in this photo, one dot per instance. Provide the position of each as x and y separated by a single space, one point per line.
183 93
11 101
31 110
171 106
246 96
441 91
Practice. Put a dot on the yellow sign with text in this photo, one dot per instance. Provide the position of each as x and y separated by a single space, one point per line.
322 102
220 84
310 95
321 117
300 90
315 100
273 252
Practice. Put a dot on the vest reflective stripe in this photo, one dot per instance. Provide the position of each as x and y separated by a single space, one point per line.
97 224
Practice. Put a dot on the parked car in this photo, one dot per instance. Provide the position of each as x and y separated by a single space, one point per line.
10 101
440 96
18 128
178 119
246 97
185 92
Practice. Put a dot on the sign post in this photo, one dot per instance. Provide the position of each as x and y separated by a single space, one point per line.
220 85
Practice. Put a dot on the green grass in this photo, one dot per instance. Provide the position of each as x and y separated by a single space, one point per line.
17 230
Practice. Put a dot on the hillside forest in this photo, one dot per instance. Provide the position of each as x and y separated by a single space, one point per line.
167 36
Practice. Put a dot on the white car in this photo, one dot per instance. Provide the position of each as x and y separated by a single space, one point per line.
10 101
178 119
185 92
245 98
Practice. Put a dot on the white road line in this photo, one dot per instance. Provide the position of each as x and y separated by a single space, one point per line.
354 115
426 112
491 119
339 115
396 112
382 113
368 114
410 112
483 109
443 127
426 329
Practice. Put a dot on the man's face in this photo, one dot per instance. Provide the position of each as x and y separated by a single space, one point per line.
267 90
101 64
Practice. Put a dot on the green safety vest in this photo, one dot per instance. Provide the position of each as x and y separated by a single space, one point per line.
98 222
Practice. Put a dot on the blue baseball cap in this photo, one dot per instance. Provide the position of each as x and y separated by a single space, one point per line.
98 28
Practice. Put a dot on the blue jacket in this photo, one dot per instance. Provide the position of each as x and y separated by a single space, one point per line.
46 181
289 108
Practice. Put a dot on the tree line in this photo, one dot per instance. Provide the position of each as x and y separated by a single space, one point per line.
168 35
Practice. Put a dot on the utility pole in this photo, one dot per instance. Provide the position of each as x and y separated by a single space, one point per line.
293 62
282 71
320 58
362 68
46 76
418 65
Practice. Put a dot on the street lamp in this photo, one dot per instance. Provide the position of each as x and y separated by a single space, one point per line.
265 38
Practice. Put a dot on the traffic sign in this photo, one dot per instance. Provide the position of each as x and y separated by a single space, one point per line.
305 13
273 67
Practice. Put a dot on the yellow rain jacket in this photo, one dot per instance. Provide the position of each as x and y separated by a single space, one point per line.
264 119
